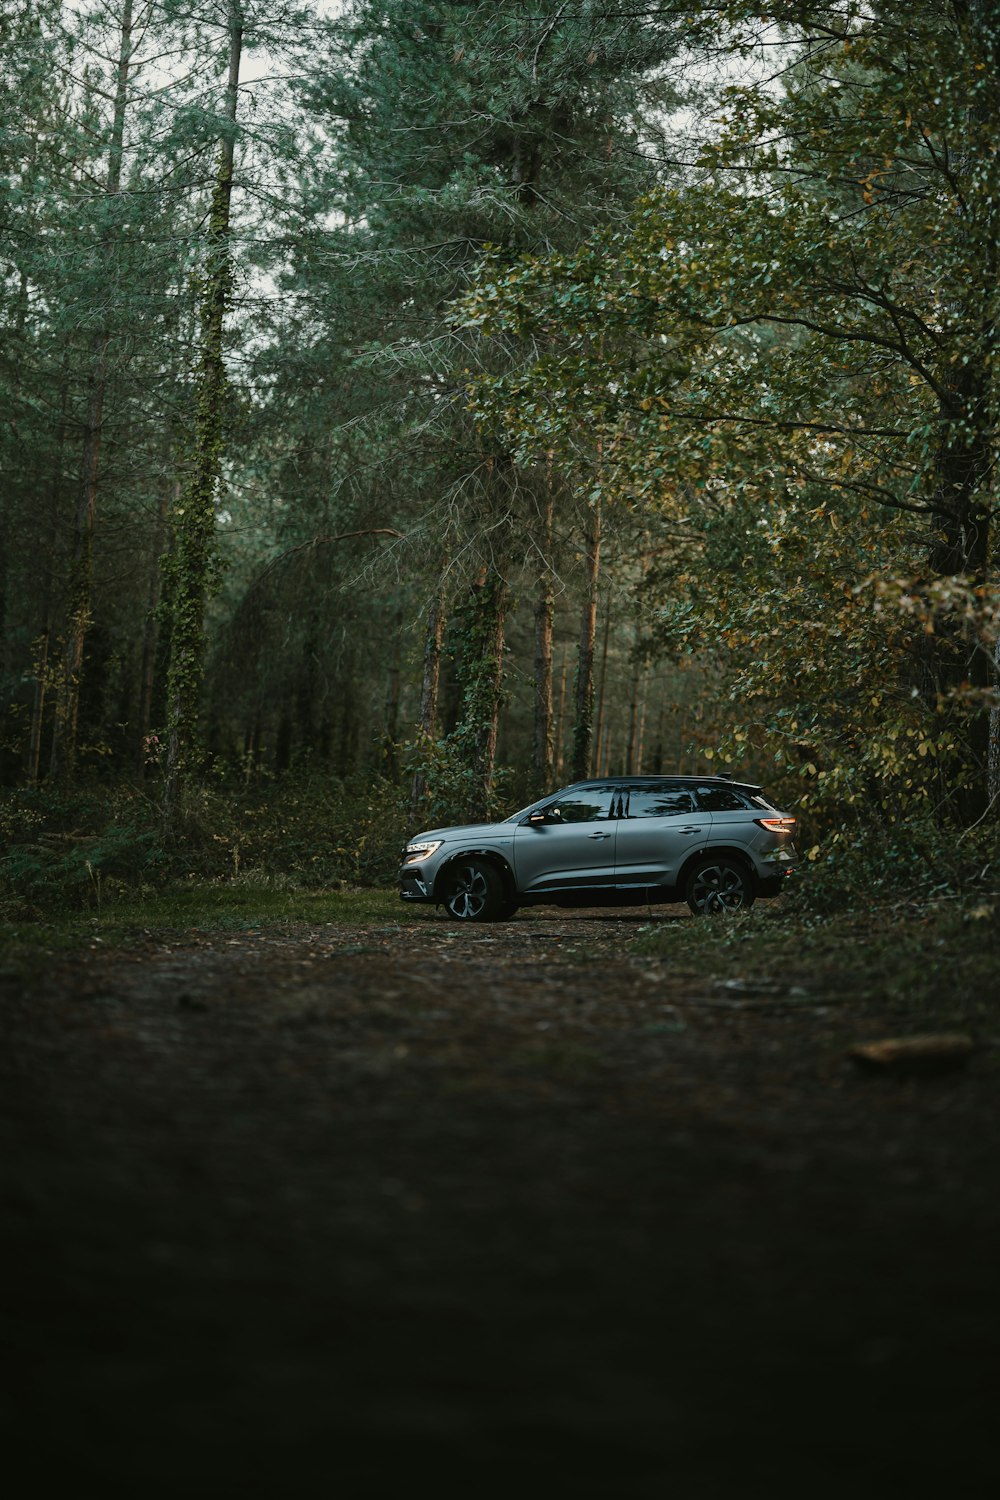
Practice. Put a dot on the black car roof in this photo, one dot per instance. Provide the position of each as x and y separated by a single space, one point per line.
653 781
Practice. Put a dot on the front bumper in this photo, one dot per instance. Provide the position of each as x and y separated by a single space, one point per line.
414 885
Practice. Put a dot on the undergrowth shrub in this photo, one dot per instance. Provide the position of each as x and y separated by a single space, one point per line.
63 848
914 859
80 848
451 787
315 829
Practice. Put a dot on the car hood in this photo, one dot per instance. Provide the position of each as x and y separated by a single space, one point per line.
464 831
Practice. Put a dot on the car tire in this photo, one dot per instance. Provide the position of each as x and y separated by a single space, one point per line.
717 884
474 892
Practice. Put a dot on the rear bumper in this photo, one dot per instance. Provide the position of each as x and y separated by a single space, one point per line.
771 885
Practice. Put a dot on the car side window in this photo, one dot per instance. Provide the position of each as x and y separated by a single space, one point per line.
586 806
666 802
720 799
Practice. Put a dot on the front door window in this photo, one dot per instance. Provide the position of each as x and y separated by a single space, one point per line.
573 845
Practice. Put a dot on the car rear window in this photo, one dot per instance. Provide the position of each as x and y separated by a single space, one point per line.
721 799
757 799
660 803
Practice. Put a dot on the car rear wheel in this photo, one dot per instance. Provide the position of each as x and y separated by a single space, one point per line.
475 893
717 884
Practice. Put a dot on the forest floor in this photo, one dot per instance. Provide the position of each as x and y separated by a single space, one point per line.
590 1203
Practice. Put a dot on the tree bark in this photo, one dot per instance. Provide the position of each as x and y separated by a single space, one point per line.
583 727
633 725
391 736
993 751
79 605
430 686
965 463
150 644
38 709
482 682
192 561
600 767
544 609
560 719
963 547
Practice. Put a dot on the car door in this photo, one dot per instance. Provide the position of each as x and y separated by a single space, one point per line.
727 811
572 845
659 828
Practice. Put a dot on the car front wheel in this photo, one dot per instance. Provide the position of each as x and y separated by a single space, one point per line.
475 893
717 884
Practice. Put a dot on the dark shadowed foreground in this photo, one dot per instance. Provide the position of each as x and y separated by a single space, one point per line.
346 1210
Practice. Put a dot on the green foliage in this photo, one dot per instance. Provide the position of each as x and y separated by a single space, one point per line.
93 849
452 783
909 859
317 830
72 849
794 360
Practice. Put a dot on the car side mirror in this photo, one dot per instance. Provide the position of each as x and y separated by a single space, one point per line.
539 816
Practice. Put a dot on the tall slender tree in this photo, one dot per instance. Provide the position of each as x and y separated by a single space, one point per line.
192 560
79 611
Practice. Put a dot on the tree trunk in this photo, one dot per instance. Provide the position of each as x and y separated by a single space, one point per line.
633 726
251 751
482 682
583 727
192 561
966 462
430 687
560 719
391 737
963 547
599 767
43 669
603 767
38 709
78 614
150 643
993 753
544 768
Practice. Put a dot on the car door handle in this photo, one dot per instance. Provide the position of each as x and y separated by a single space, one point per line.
598 835
692 828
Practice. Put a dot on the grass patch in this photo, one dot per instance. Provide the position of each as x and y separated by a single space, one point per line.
940 957
192 907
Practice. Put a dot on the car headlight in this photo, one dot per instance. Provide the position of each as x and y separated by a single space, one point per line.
413 852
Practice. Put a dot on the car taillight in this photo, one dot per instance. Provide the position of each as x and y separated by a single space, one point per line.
776 825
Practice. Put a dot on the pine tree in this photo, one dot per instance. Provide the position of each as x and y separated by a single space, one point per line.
456 127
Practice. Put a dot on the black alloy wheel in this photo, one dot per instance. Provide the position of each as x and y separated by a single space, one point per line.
475 892
717 884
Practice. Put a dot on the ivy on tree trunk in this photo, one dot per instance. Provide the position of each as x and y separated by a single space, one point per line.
192 566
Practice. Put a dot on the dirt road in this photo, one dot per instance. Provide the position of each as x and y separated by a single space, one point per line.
296 1210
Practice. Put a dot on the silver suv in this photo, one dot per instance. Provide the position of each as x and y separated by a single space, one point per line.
617 841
